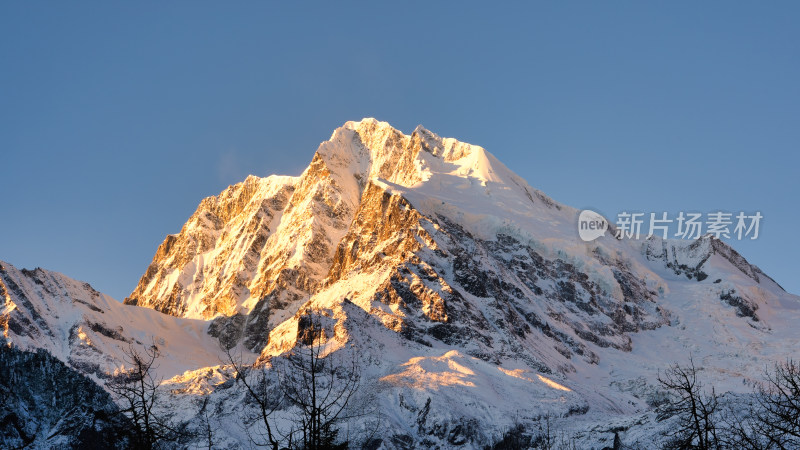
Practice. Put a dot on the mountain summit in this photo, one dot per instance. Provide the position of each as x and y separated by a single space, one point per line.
466 294
264 246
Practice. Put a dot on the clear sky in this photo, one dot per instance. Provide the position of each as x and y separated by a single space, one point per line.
117 118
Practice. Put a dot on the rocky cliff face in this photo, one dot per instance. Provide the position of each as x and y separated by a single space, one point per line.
206 269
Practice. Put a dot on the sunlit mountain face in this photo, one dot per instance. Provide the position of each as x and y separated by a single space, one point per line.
461 297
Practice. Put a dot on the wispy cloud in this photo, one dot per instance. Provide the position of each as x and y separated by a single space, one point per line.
230 167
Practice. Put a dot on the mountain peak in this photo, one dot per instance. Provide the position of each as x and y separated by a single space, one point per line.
372 149
279 234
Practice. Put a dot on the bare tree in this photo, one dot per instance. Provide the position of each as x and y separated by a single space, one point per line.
696 427
321 386
543 436
259 392
207 428
136 392
773 419
547 437
514 438
738 430
551 438
779 399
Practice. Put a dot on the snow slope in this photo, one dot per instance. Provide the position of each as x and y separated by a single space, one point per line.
91 331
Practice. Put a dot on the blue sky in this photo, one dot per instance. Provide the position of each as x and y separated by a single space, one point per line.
116 118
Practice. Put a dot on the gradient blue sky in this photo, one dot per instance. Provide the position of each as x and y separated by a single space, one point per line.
116 118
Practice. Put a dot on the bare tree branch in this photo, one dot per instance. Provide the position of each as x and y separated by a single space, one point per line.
696 428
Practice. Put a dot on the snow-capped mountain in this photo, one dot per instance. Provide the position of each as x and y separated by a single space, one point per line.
90 331
466 294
